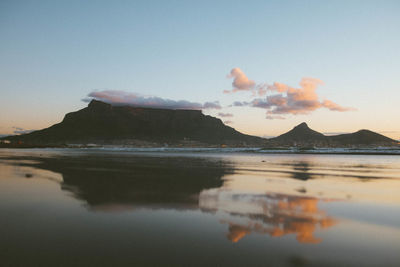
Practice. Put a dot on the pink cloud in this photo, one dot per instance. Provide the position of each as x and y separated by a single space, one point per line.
334 107
240 81
302 100
288 100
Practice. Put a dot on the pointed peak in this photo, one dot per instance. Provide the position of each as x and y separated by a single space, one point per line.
302 125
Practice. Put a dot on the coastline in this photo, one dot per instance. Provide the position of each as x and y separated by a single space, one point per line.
225 149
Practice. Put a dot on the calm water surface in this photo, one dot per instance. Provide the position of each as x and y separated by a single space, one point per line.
104 208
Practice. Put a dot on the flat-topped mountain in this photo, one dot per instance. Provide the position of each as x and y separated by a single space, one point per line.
302 135
106 124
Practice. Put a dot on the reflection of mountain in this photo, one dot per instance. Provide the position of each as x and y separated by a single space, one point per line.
114 182
273 214
301 171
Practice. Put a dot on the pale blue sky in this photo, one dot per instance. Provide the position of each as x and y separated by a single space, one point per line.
53 53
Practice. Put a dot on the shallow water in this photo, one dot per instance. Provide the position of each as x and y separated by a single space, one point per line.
86 207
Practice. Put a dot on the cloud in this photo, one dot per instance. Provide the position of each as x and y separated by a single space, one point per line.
19 130
240 104
225 115
302 100
269 117
212 105
118 98
289 100
228 122
334 107
240 81
335 133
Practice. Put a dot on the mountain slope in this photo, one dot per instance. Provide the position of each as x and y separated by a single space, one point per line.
361 137
104 123
302 135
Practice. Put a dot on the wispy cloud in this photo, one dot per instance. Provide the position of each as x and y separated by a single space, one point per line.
282 99
225 115
240 104
270 117
137 100
19 130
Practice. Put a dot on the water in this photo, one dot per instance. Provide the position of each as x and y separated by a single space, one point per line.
98 207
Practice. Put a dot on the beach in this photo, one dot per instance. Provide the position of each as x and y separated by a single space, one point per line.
101 207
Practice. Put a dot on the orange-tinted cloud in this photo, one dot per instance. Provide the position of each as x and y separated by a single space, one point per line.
291 100
287 100
240 81
132 99
335 107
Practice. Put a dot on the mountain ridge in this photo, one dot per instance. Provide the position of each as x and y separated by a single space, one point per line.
302 135
100 122
103 123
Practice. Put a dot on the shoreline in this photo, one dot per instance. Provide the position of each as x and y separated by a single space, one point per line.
217 149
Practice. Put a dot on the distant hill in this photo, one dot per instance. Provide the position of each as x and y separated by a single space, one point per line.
106 124
302 135
361 137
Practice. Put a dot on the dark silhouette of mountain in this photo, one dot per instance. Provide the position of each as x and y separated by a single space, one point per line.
302 135
104 123
361 137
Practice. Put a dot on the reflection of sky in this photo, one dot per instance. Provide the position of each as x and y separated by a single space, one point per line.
263 197
267 216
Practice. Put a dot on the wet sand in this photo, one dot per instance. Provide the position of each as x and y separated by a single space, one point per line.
82 207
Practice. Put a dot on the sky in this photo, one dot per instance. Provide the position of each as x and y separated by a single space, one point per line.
261 66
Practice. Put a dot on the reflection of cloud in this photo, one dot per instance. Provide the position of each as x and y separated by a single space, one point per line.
273 214
125 98
237 232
